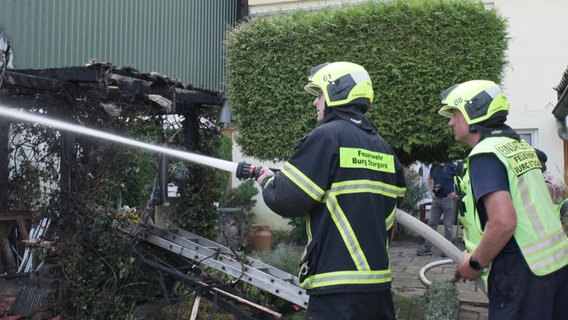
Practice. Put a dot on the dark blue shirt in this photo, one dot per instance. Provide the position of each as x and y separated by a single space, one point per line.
444 175
488 175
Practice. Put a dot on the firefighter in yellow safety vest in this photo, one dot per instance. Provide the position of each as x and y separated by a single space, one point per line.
513 236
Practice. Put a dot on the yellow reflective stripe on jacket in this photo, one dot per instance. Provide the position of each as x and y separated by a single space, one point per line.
346 277
341 221
267 181
302 181
309 233
389 221
347 234
377 187
362 186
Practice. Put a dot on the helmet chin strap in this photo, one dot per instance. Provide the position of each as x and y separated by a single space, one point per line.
495 130
495 122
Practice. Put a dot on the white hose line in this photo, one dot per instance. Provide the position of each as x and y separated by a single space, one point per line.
431 265
434 238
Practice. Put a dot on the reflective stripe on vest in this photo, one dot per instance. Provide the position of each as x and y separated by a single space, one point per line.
539 232
470 218
470 221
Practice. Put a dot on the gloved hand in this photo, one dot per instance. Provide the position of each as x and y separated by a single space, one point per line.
265 173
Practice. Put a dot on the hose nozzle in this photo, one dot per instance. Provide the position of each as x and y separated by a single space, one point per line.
248 171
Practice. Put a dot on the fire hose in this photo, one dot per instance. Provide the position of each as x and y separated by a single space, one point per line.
242 170
435 238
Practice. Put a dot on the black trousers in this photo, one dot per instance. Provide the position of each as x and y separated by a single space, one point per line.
351 306
515 293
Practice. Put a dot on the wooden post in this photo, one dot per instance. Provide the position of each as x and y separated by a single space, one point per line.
195 307
4 164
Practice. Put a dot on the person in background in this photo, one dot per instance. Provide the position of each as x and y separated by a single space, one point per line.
543 158
441 184
513 241
347 181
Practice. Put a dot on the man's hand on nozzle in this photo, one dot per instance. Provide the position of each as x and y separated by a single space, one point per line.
464 271
265 173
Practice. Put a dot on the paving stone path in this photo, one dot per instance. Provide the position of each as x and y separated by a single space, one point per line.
406 266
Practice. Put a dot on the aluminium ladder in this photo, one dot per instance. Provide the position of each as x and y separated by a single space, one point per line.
221 258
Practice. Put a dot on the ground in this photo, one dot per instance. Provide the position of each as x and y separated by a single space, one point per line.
10 286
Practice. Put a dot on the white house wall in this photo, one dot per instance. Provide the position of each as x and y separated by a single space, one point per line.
538 56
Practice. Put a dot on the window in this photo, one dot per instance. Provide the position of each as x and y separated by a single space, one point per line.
529 135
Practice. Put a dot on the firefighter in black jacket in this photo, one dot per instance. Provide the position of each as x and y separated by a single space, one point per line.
346 180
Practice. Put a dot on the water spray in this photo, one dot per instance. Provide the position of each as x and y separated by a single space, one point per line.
242 170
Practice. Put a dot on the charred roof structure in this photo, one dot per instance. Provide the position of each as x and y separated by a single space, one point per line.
560 111
150 93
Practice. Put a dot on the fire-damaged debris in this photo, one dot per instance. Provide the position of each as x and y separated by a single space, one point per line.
560 111
4 60
104 96
39 290
126 88
98 95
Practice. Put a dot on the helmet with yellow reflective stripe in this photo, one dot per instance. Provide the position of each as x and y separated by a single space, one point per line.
341 83
477 100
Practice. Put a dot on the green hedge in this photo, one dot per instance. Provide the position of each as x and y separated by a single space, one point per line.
412 49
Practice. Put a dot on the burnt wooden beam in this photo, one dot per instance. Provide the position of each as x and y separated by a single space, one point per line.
29 81
141 88
27 98
4 164
202 98
67 156
65 74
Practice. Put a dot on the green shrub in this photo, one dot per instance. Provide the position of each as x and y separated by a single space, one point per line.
284 257
441 301
298 234
412 50
241 197
415 190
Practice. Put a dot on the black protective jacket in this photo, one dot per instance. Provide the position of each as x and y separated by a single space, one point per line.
347 181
